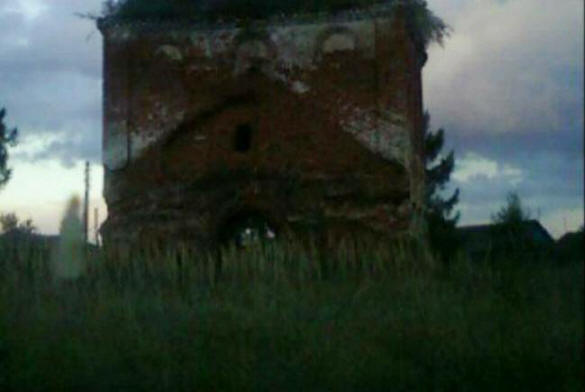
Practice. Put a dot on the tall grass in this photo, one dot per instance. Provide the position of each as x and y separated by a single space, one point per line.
290 318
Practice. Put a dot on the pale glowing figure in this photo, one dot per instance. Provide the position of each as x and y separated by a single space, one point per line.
69 259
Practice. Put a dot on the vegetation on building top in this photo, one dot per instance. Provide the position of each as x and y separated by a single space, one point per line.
425 25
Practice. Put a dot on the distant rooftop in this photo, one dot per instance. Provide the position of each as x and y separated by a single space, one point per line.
481 235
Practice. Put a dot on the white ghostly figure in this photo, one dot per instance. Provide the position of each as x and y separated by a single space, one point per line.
69 259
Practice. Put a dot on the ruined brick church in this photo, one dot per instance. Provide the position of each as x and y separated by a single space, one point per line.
302 123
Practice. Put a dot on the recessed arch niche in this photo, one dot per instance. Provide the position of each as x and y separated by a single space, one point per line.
252 53
336 39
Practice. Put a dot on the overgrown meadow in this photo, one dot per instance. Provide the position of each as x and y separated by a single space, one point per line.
287 318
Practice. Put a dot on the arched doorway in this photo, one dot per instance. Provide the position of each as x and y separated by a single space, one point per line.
246 229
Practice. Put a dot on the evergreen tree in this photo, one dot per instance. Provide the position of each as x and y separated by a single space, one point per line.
7 138
440 218
508 220
513 213
508 231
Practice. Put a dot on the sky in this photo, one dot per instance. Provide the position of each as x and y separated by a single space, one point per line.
506 86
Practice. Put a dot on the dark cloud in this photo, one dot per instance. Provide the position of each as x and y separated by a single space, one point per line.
50 76
508 87
546 181
49 101
510 67
71 151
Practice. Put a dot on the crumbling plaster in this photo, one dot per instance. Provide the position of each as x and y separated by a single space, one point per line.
282 51
358 73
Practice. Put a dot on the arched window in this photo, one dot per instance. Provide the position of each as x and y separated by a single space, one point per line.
251 54
338 42
338 39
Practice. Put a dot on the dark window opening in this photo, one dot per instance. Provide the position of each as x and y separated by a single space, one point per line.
243 138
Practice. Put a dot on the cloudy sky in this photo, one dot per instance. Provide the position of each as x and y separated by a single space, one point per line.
507 87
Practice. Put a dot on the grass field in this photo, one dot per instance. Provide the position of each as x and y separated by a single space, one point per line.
288 320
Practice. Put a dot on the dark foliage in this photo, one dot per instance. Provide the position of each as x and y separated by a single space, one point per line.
439 210
509 231
571 246
200 9
237 8
513 213
527 241
509 219
10 222
274 323
7 138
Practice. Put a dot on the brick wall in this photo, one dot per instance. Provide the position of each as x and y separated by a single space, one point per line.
312 122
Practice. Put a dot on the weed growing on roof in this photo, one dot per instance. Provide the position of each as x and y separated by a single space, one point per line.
425 26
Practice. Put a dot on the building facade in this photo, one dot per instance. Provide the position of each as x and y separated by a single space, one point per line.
301 124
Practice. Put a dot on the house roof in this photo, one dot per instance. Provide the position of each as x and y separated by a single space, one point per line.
478 237
572 242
